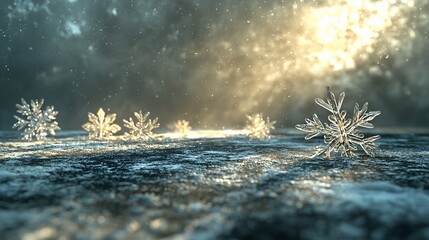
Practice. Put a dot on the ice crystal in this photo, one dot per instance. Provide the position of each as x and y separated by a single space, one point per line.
182 126
257 127
342 134
37 123
101 125
142 129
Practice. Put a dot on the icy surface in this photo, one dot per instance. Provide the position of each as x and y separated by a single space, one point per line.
210 188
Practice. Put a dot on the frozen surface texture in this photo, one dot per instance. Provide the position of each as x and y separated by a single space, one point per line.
211 188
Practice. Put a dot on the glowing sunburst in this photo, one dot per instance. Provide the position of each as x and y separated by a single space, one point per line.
295 47
342 33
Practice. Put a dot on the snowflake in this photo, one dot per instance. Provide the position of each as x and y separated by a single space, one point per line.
38 123
182 126
342 134
142 129
257 127
101 125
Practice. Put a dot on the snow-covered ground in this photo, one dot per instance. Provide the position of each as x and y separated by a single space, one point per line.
211 185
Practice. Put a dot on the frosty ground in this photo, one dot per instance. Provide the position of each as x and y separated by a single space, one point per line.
210 188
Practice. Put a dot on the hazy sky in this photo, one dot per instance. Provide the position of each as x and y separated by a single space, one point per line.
213 62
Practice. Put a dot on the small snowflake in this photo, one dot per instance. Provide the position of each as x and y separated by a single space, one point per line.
342 134
37 123
182 126
101 125
142 129
257 127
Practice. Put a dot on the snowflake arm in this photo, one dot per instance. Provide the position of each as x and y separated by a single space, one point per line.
257 127
142 128
341 134
101 125
312 127
37 123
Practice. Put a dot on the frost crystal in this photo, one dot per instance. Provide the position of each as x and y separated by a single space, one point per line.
182 126
142 129
38 123
341 135
257 127
101 125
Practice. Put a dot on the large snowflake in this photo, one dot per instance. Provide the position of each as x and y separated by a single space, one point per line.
257 127
142 128
37 123
342 134
101 125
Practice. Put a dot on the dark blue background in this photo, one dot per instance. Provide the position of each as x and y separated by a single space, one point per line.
196 60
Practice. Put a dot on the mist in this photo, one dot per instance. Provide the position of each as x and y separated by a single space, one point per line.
213 62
